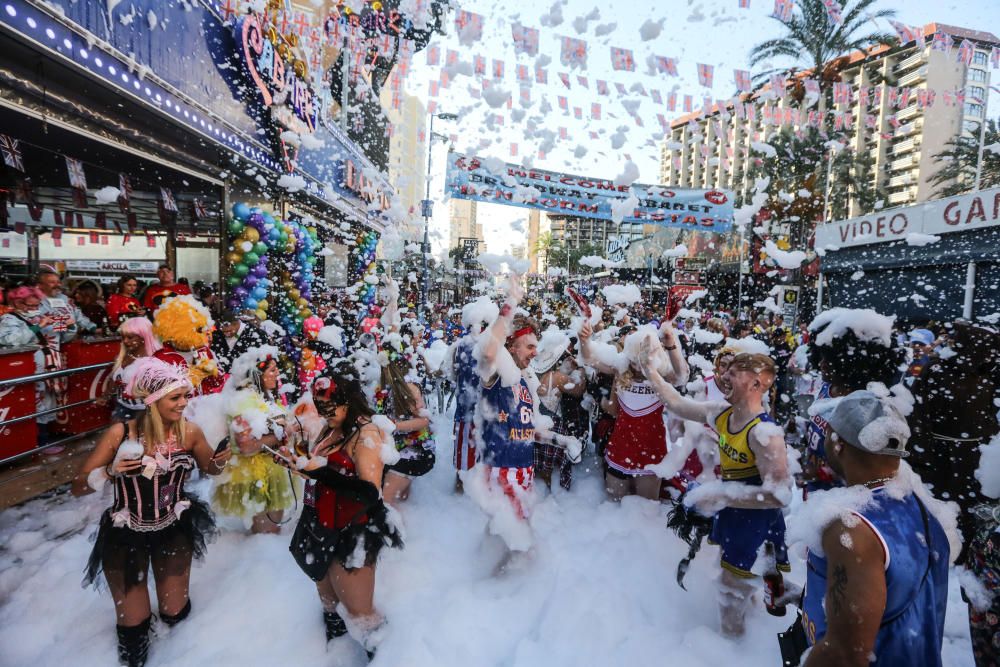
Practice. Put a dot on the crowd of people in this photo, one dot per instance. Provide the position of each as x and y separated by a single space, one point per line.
723 416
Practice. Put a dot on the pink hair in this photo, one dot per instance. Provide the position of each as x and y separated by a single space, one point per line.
140 326
23 292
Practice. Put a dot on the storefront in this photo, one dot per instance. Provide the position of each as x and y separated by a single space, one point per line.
932 262
136 128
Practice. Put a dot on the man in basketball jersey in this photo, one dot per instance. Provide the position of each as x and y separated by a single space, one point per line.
755 482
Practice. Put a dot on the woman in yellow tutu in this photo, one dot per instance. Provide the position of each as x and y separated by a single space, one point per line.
254 487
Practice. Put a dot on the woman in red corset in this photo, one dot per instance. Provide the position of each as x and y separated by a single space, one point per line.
344 522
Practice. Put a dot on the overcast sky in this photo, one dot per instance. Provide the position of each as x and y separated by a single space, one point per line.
714 32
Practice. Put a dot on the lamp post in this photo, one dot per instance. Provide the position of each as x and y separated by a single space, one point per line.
427 208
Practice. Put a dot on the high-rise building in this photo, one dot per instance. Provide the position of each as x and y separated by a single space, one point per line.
534 231
519 251
462 223
575 231
900 105
408 156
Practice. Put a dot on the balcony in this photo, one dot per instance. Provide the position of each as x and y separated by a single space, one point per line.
900 181
909 112
902 197
913 78
902 163
916 59
905 146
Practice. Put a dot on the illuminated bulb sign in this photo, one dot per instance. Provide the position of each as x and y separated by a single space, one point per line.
354 179
274 79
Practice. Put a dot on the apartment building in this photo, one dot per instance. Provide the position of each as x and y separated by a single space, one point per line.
462 223
904 104
408 156
576 232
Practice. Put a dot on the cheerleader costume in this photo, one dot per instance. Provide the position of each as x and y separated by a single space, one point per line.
639 437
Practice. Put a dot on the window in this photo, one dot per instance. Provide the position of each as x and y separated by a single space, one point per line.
977 75
979 58
976 93
973 109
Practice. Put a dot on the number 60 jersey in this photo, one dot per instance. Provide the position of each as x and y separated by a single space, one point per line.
508 431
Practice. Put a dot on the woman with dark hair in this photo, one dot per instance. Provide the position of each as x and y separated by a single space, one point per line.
123 304
87 296
153 520
344 523
401 400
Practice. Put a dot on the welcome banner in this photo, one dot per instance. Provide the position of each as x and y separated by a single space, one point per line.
489 180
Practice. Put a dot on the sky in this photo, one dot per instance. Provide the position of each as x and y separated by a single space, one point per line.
714 32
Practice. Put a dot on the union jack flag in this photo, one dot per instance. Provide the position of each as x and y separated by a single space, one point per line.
833 11
595 111
778 84
167 200
744 4
565 79
498 68
671 101
525 39
705 74
541 75
995 57
905 33
666 65
582 80
469 26
622 59
434 56
198 210
11 149
966 52
513 150
942 42
602 88
479 65
743 82
783 10
77 178
574 52
522 74
655 96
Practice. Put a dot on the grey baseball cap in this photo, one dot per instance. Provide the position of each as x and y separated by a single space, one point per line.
865 421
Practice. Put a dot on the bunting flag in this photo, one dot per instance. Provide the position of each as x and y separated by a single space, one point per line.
450 58
101 220
744 83
541 76
574 53
688 104
513 150
622 59
525 96
522 74
602 88
150 240
666 65
198 210
705 74
432 88
563 102
995 57
833 12
57 236
104 239
655 96
432 106
77 181
744 4
595 111
469 26
433 56
671 101
498 69
11 149
525 39
905 33
783 10
167 206
779 84
582 81
565 79
942 41
966 52
479 65
620 87
842 93
563 134
95 238
663 121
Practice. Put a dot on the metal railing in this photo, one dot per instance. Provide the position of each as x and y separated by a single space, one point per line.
40 377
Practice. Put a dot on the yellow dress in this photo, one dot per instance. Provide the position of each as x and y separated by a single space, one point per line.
254 483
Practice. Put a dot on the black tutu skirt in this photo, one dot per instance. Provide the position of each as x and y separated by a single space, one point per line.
124 555
316 547
418 465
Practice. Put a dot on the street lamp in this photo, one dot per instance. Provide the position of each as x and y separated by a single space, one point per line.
427 207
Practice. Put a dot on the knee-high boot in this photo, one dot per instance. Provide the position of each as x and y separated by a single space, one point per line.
133 644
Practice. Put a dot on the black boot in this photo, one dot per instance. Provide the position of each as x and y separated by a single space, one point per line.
133 644
371 654
335 626
172 620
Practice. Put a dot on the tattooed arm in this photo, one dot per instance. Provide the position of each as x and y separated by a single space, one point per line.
855 596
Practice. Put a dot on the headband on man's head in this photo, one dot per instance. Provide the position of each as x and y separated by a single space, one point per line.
523 331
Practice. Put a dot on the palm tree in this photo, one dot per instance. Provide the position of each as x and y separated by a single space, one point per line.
544 247
811 40
958 173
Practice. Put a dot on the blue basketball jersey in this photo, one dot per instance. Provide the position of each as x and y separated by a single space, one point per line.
467 384
816 449
508 431
916 581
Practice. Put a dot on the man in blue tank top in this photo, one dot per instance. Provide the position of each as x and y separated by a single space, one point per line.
878 592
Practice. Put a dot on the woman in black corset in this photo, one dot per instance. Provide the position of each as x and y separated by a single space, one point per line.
153 521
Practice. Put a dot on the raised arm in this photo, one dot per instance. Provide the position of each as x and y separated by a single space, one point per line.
587 352
679 371
683 407
855 596
496 335
390 318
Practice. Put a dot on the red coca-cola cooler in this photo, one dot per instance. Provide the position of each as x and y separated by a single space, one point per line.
86 385
17 400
